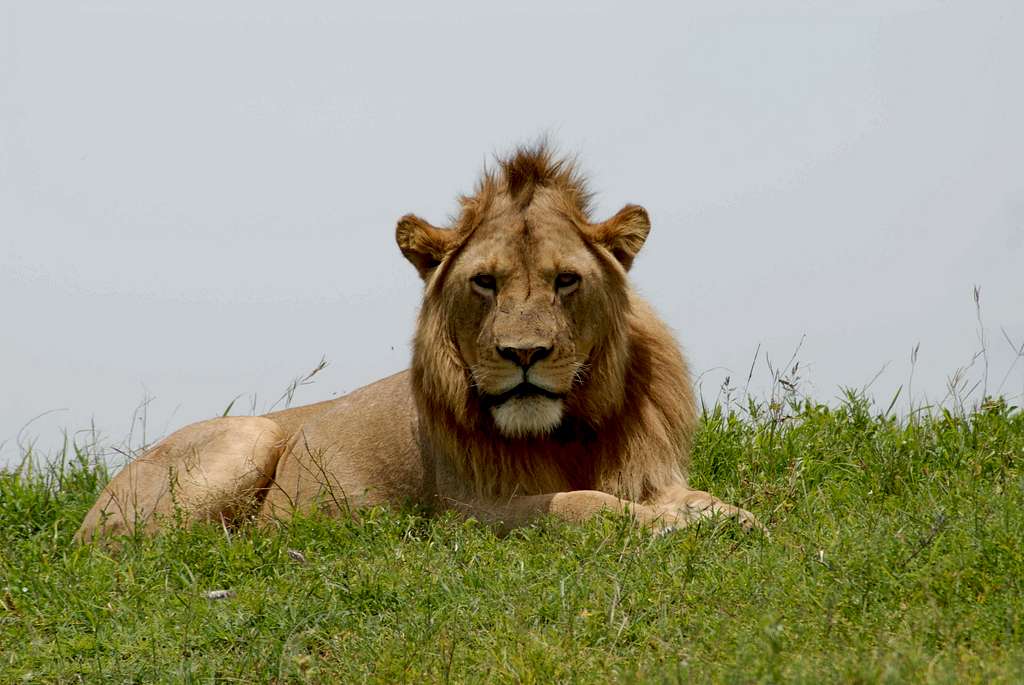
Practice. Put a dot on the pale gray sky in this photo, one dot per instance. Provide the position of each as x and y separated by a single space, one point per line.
197 200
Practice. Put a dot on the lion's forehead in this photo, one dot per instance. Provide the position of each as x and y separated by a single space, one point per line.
526 243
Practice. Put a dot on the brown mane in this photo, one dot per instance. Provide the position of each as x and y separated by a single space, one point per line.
630 418
517 177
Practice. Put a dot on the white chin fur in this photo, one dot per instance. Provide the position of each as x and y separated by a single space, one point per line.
521 417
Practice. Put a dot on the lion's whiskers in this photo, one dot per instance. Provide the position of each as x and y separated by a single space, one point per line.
579 374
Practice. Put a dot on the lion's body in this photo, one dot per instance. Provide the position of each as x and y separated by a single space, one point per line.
540 384
356 451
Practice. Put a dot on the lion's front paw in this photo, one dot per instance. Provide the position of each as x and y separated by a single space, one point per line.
748 522
710 507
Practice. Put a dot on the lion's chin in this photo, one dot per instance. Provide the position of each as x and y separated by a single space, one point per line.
521 417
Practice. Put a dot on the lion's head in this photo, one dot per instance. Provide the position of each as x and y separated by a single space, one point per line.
528 324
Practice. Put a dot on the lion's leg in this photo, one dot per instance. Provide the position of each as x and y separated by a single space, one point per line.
695 505
205 471
574 506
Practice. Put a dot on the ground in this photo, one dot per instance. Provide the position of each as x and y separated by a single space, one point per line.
896 555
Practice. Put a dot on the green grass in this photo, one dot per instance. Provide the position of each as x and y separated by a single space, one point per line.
896 555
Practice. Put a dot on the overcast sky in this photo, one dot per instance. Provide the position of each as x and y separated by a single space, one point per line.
198 200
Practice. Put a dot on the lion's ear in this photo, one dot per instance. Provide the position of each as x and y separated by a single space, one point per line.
422 244
624 234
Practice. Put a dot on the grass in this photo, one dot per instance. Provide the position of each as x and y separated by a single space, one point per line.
896 555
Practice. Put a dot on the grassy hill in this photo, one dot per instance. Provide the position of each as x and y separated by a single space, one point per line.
896 555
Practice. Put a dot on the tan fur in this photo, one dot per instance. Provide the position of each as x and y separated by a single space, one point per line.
540 384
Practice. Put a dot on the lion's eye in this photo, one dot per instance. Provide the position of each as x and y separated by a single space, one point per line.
566 280
485 282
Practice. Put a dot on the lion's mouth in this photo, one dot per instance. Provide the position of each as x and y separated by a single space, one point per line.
523 390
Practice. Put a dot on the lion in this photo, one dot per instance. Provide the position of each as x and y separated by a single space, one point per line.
541 384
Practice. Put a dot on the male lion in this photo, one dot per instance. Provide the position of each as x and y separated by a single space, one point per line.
540 384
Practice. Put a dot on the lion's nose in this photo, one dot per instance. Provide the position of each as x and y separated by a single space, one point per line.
524 356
